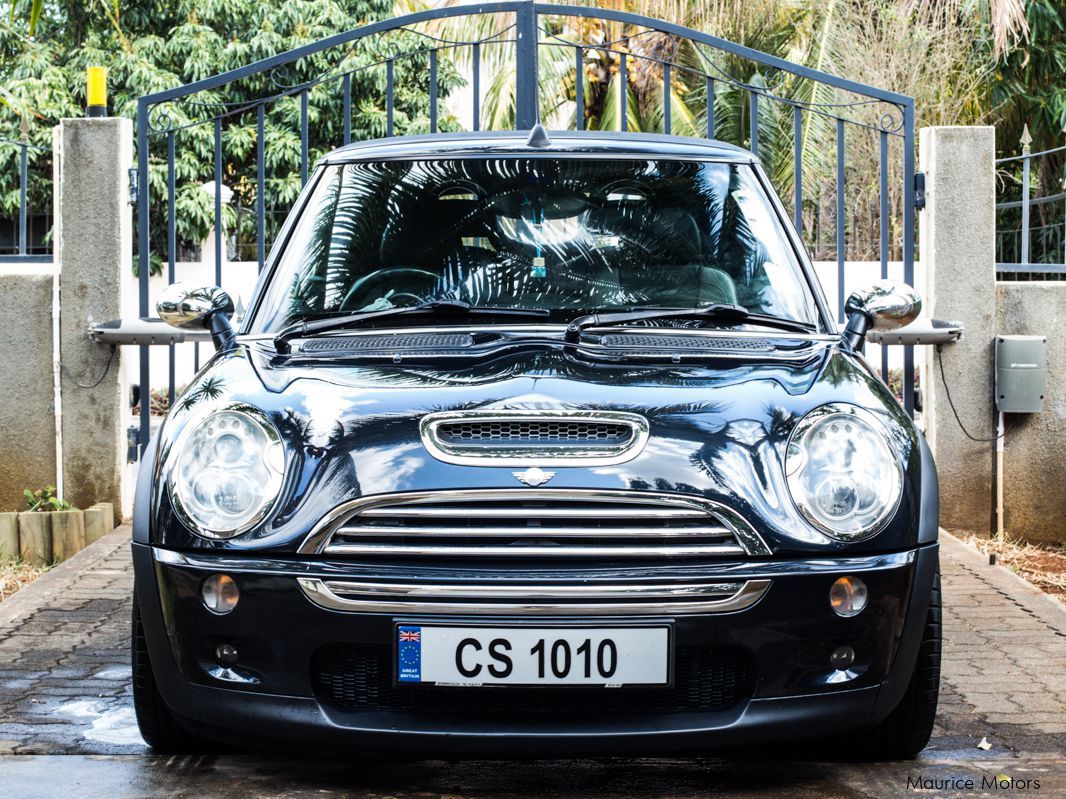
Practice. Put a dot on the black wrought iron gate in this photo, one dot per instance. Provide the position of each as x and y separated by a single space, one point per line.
548 50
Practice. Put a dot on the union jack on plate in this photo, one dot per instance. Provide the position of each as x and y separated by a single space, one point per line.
410 635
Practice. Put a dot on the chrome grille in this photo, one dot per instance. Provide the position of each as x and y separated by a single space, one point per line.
535 523
541 437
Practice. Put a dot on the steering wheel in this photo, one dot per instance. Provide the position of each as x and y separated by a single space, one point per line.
407 282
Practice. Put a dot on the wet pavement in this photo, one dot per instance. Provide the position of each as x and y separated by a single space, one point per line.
67 726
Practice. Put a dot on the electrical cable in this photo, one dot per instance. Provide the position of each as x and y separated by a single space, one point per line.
947 393
107 368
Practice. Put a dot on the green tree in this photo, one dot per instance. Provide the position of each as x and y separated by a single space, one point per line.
151 45
1028 89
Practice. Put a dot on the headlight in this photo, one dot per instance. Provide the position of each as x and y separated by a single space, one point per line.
228 473
843 473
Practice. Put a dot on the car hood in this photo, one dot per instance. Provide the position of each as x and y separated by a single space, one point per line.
718 429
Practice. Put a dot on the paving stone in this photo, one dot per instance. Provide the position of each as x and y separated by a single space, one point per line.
1002 672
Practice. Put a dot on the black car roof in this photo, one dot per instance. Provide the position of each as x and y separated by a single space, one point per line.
590 144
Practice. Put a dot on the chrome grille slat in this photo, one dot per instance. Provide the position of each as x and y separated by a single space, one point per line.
717 590
547 600
534 523
521 551
500 531
444 512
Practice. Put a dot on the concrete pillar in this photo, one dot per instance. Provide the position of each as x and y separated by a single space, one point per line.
27 390
93 250
957 240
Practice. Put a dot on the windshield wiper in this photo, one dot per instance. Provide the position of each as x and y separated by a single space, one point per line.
730 314
433 307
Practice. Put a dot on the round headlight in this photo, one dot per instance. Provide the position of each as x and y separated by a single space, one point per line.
228 473
843 473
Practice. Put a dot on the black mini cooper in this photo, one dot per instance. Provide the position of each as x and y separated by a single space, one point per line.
537 443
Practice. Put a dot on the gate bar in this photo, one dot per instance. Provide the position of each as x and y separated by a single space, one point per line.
710 107
579 88
260 182
1025 209
908 240
389 79
841 243
432 91
797 169
303 138
218 201
753 104
666 98
145 430
475 57
526 72
346 89
172 246
22 177
883 188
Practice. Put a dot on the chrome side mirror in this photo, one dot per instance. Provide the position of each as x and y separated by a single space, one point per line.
882 305
209 307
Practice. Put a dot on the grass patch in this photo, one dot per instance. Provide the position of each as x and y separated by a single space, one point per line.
14 575
1043 565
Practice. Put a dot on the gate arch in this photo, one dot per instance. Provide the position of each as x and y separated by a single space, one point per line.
531 36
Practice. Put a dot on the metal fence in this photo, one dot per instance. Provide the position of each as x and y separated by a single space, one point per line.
543 60
24 234
1029 248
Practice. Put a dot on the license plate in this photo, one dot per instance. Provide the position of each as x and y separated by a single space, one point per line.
609 656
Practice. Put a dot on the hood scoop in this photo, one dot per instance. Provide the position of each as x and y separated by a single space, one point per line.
534 437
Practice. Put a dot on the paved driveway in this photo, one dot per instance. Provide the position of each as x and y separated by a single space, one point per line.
66 722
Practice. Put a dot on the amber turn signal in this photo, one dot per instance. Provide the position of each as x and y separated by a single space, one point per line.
848 596
220 593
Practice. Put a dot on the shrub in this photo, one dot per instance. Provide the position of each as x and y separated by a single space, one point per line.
46 500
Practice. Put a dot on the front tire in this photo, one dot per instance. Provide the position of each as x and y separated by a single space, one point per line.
905 731
158 726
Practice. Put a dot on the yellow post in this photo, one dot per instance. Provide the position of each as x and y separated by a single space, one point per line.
96 91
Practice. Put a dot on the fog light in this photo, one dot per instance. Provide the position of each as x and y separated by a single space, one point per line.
226 655
842 657
220 593
848 596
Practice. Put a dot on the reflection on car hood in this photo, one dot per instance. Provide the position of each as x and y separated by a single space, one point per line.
717 430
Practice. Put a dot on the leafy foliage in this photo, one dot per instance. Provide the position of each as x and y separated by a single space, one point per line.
45 500
1028 89
152 45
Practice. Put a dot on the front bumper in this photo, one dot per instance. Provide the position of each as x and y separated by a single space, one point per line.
776 682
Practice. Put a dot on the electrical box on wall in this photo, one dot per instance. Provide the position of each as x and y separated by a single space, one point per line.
1021 373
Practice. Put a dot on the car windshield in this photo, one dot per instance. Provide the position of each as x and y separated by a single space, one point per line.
566 235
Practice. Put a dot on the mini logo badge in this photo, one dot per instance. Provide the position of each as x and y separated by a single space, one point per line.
534 476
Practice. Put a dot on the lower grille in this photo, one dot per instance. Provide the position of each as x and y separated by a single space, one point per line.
351 678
